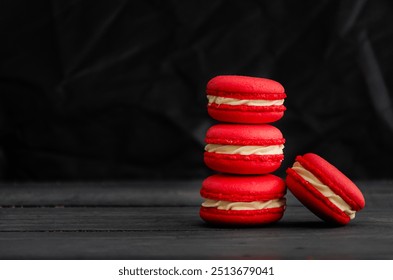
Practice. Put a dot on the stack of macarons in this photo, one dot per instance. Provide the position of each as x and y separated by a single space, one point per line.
244 148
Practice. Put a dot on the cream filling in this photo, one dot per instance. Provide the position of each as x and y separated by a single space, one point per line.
245 150
253 205
324 189
233 101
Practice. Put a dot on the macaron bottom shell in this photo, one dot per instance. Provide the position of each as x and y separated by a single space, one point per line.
241 217
240 164
241 116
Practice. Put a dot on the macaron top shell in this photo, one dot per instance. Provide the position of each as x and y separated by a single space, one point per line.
243 188
236 134
334 179
245 87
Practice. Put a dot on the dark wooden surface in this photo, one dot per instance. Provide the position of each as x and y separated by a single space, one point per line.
159 220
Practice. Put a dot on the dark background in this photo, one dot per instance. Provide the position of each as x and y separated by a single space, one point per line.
114 90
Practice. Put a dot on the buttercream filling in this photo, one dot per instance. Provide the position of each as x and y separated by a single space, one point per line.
252 205
249 102
245 150
324 189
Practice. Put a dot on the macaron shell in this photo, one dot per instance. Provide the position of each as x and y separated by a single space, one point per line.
244 86
242 134
314 200
334 179
243 188
241 217
239 114
243 164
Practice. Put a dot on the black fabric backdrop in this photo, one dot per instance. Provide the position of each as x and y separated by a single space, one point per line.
115 89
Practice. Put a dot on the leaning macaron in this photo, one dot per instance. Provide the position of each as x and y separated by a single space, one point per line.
243 99
323 189
244 149
242 200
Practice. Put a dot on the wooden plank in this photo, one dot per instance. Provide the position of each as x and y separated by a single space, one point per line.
379 201
131 218
133 193
138 218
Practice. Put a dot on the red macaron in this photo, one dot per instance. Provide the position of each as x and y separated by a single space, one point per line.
242 99
242 200
324 190
244 149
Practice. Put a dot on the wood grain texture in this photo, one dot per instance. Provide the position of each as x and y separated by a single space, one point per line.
133 193
176 232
